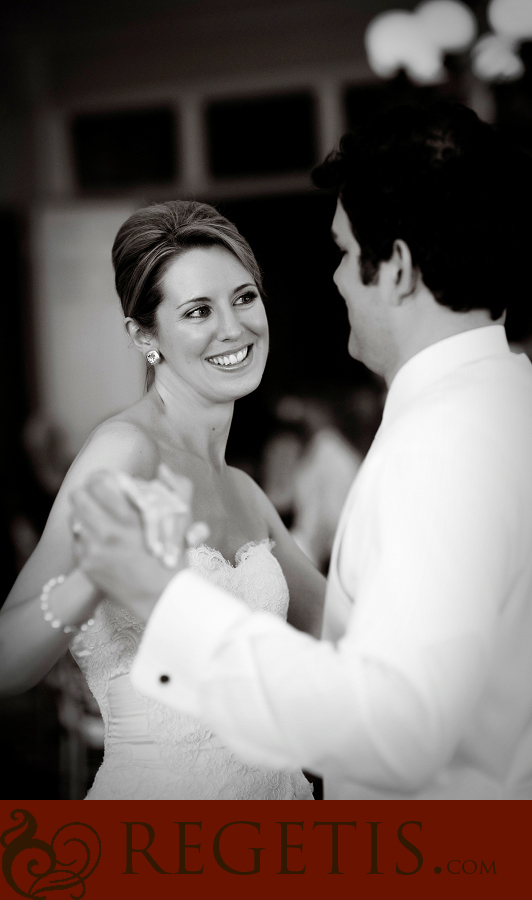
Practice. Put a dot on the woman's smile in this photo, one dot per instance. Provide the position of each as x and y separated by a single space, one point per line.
237 359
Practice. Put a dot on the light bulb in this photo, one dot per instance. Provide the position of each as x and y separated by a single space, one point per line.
449 24
511 18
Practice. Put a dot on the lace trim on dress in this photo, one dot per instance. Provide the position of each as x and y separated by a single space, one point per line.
153 752
240 555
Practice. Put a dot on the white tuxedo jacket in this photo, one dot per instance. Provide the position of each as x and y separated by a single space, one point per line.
422 684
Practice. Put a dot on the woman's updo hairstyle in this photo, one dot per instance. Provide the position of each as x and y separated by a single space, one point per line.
153 237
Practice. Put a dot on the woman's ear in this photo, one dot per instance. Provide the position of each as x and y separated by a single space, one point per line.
142 341
405 273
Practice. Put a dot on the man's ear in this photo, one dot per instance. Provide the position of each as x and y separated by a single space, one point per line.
405 273
142 341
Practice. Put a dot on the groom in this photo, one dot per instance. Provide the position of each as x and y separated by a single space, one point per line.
422 684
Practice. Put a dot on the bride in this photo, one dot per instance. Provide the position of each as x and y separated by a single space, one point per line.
190 290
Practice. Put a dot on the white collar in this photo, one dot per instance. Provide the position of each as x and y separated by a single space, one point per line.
440 359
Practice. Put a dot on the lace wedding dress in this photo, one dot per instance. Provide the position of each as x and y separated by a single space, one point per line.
153 752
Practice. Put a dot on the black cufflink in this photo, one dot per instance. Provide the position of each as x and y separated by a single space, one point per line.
164 678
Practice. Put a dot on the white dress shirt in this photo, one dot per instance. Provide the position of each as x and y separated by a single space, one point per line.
422 685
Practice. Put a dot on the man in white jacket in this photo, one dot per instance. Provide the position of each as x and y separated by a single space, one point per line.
421 686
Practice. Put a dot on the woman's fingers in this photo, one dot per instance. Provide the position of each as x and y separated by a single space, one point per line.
105 487
180 485
90 524
174 527
111 501
197 534
87 513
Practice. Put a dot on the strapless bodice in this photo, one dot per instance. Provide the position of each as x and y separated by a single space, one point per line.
151 751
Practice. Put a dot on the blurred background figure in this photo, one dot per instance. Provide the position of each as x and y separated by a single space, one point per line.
106 107
56 733
47 459
310 462
81 729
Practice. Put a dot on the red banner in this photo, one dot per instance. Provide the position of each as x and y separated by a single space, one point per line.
140 849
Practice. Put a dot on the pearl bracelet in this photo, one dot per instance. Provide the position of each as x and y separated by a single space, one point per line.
54 621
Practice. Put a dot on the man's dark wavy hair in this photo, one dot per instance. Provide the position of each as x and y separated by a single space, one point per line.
452 188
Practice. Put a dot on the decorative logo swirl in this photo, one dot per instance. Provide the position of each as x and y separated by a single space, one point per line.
33 868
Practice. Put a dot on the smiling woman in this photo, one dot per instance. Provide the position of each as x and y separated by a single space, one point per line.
191 294
212 317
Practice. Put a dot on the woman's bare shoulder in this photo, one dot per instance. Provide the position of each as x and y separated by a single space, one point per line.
243 480
250 490
119 443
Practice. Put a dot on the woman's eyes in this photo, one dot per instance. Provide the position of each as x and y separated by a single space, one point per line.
202 312
248 297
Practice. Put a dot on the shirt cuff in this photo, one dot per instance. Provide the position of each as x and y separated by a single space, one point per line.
187 626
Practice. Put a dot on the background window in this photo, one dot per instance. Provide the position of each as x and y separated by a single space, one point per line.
124 149
261 136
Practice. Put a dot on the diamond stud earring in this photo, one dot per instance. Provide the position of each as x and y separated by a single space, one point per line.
153 357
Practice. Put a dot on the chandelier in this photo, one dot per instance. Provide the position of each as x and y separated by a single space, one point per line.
417 42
